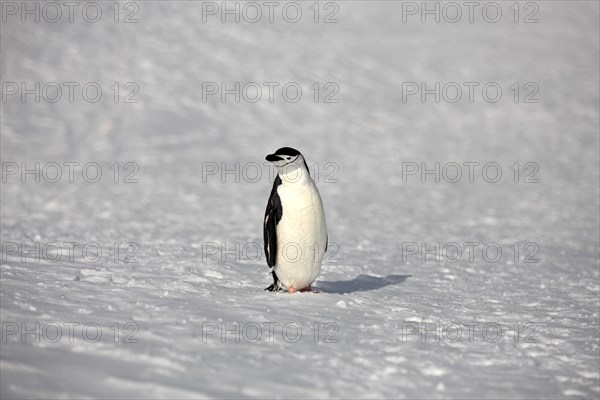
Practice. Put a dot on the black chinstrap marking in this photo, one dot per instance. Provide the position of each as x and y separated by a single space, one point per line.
272 158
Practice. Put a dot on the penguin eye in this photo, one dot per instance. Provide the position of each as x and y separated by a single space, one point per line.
289 158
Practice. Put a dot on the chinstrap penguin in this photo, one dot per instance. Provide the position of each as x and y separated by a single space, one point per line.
294 231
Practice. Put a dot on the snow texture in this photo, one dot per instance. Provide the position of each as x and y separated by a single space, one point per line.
386 323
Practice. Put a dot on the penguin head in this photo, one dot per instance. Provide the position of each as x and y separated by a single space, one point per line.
287 159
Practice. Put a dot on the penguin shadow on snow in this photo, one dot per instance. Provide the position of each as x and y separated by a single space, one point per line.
361 283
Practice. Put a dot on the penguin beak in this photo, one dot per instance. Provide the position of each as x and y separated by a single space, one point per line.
273 158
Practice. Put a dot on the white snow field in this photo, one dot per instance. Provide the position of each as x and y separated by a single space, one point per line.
449 289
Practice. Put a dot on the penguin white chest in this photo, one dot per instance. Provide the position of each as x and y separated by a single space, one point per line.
301 234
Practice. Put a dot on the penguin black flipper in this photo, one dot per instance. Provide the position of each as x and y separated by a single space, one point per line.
272 217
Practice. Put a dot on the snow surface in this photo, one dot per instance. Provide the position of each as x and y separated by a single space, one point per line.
178 296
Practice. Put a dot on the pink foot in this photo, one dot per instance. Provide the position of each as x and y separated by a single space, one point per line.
292 290
309 289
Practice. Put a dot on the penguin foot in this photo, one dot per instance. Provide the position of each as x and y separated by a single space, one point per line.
273 288
306 289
